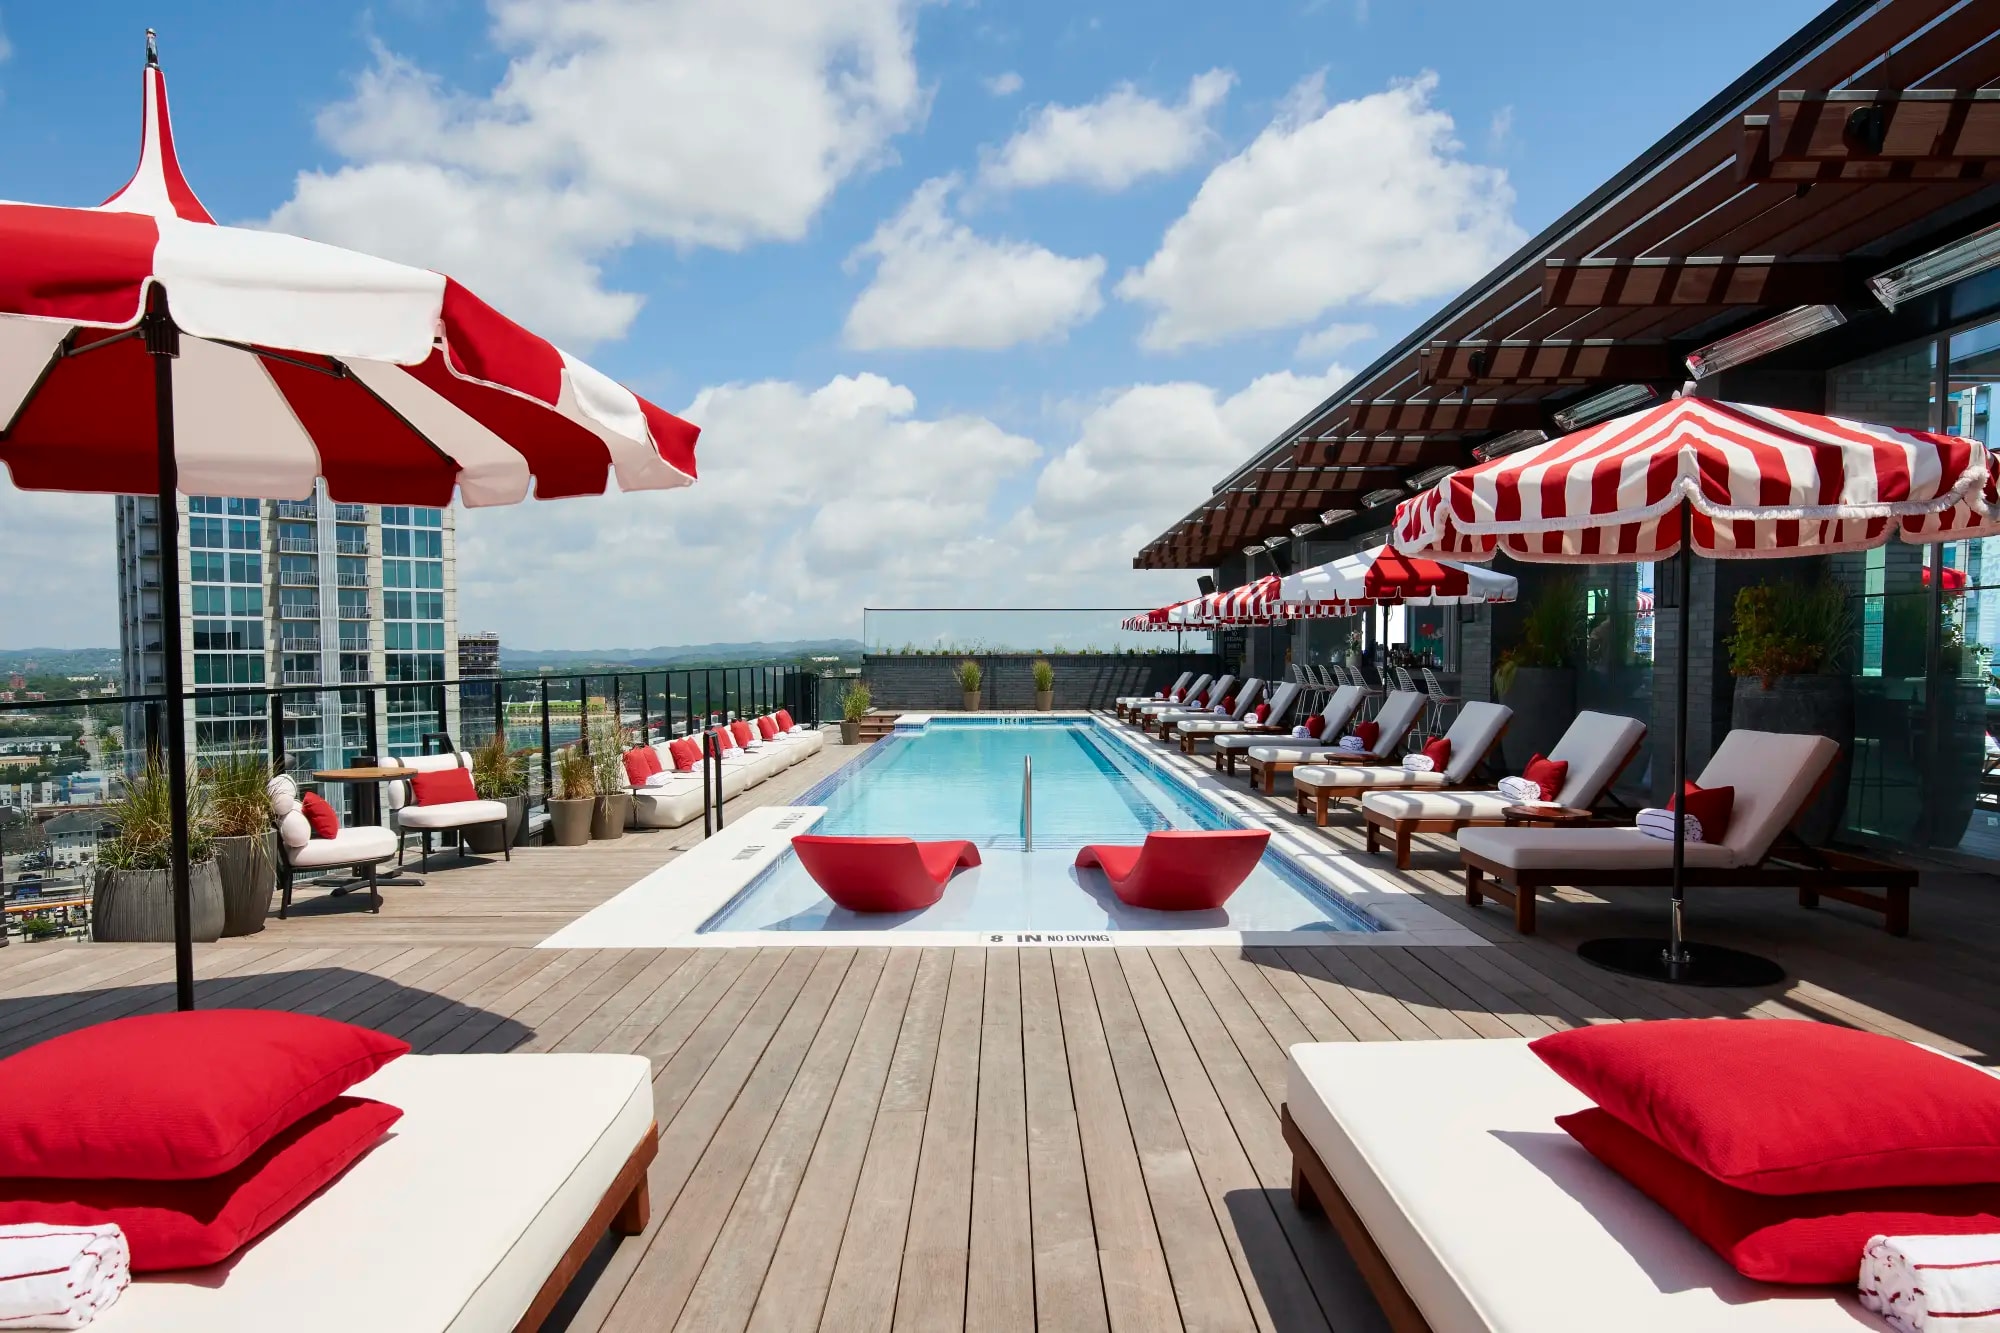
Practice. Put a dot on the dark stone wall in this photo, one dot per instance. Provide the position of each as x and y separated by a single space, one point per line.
1083 680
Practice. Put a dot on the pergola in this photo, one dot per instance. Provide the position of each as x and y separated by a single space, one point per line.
1826 163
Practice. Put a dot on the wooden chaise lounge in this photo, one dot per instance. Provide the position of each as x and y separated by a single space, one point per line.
1398 714
1334 716
1473 734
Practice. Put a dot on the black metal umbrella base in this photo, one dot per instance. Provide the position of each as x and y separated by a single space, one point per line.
1701 965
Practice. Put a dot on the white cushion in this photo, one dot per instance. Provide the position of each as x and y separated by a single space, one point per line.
1291 750
1398 714
449 1225
1773 773
368 842
1367 775
1494 1219
398 794
1594 747
1472 734
1587 848
1466 805
452 814
294 828
1252 743
284 794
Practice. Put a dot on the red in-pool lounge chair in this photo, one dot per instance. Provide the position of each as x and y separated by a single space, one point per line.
1190 871
882 874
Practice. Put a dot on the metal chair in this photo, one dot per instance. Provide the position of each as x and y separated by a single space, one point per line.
1442 704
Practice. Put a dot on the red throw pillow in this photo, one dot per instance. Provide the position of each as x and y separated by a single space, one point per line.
1263 712
174 1096
1439 753
1712 806
785 722
1802 1238
1548 774
768 728
725 739
686 754
194 1223
1369 732
742 731
325 823
636 771
1315 725
1229 703
444 786
1778 1107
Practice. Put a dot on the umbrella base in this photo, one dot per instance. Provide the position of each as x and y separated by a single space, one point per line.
1704 965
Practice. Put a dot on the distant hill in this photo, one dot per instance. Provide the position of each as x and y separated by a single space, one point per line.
61 661
786 650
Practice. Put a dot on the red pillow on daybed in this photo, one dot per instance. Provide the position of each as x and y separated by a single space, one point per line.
1228 703
767 727
445 786
725 738
742 730
1778 1107
174 1096
686 753
785 719
1369 732
1439 753
1804 1238
1315 725
1263 712
1548 774
193 1223
1712 806
325 823
641 763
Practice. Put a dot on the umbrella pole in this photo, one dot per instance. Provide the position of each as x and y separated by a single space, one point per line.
1677 959
163 344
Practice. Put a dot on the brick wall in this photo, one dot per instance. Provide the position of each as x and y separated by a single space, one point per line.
1083 680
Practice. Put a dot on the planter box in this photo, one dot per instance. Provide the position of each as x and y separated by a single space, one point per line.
137 906
569 822
489 841
249 870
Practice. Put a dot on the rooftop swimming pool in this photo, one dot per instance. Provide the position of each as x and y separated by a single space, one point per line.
962 778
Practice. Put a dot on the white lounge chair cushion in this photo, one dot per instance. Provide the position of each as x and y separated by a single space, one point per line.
1493 1219
449 1225
1587 848
676 802
452 814
400 795
1367 775
1594 746
1472 734
1467 805
295 830
1252 743
354 845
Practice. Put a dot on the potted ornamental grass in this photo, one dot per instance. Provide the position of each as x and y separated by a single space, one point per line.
574 800
246 845
498 774
613 803
854 706
969 676
1537 676
1787 652
132 900
1045 685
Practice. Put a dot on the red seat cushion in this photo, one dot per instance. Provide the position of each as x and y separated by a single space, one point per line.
1803 1238
444 786
325 823
1548 774
194 1223
1780 1107
1369 732
767 727
1181 870
1315 725
1712 806
1439 753
174 1096
686 754
881 874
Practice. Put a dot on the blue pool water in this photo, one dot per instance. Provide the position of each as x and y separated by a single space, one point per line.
962 778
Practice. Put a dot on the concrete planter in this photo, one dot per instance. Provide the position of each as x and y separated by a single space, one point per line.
248 867
608 819
1809 706
1544 704
850 732
137 906
489 841
1045 701
569 821
971 701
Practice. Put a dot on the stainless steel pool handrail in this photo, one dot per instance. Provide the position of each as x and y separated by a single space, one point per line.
1028 802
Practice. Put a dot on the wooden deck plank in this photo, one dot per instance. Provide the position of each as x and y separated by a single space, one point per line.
1069 1285
1000 1281
931 1294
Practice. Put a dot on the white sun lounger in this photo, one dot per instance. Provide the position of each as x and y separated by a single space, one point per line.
1596 746
1246 696
1474 733
1468 1211
1125 701
1156 716
1194 731
1339 708
471 1216
1148 707
1399 712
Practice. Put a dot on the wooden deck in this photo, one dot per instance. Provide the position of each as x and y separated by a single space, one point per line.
914 1139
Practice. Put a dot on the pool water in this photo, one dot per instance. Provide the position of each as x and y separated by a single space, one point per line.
962 778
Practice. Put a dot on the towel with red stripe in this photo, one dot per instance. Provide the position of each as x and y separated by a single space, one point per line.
1933 1284
60 1276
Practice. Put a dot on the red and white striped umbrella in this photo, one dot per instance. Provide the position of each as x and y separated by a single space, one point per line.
1645 603
1254 603
292 360
1759 481
1159 618
1382 576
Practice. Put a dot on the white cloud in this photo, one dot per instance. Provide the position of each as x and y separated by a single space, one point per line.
1004 84
1112 142
938 284
1322 343
63 586
1364 201
680 122
1500 129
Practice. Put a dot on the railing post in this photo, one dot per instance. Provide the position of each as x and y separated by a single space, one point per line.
645 713
444 712
548 759
500 712
368 742
277 703
583 712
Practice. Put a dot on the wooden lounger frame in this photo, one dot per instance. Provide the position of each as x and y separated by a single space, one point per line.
1264 772
1399 830
624 1210
1319 797
1191 740
1314 1191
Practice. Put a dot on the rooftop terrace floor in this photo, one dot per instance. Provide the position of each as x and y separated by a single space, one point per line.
912 1139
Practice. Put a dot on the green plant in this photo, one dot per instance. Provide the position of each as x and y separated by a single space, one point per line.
239 797
38 927
607 755
1552 633
576 777
969 676
142 814
1045 676
1789 630
498 772
854 705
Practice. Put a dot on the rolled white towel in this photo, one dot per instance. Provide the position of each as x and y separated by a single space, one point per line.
1418 763
1657 823
1352 744
1921 1283
60 1276
1220 711
1520 790
1301 733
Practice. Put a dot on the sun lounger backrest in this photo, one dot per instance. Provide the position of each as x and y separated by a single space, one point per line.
1340 709
1246 697
1774 774
1200 684
1282 700
1222 689
1595 747
1186 676
1399 713
1472 734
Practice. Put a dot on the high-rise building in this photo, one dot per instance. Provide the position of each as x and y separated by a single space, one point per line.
298 593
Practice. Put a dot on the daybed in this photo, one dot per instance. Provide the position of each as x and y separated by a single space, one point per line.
1338 711
1126 701
1473 734
1277 720
1398 714
1155 717
1247 694
1135 712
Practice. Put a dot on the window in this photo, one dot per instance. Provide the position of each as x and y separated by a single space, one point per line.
396 573
246 601
353 603
396 605
242 534
207 567
429 545
430 573
396 541
204 532
246 569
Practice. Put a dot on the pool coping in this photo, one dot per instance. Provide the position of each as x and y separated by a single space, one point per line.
666 908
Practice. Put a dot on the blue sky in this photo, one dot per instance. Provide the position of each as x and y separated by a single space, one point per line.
969 298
